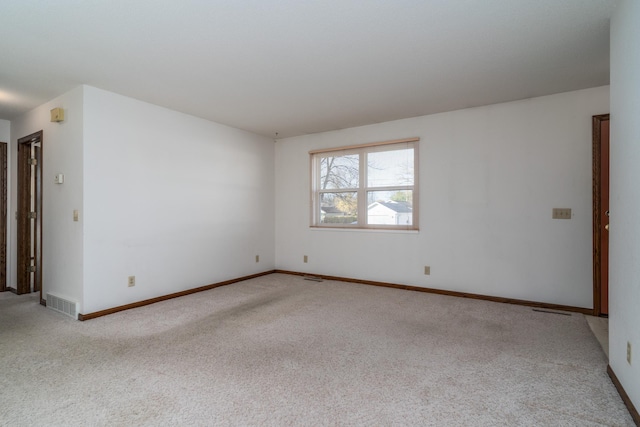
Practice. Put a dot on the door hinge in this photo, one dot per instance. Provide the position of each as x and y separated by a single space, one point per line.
31 269
33 215
33 161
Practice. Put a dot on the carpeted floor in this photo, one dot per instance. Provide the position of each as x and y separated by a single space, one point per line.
280 351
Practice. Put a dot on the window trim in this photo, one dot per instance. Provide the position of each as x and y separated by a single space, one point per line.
362 187
366 145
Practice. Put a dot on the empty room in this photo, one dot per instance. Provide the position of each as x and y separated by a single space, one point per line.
320 213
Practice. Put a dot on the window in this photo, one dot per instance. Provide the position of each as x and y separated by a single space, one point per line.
366 186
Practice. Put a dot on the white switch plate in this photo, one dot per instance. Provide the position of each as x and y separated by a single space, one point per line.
59 178
561 213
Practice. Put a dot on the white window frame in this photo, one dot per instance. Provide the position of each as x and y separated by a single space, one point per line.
362 190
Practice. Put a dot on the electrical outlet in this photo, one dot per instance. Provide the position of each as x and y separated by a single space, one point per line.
629 352
131 281
427 270
257 258
306 258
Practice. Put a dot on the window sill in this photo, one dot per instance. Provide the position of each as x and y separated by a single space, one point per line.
364 230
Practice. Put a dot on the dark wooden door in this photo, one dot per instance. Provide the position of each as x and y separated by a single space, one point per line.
601 215
3 216
29 230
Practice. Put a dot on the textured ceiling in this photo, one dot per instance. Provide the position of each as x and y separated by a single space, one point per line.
296 67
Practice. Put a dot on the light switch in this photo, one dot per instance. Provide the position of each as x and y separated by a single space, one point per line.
59 178
561 213
75 215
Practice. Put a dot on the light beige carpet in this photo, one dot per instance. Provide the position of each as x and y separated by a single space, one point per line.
280 351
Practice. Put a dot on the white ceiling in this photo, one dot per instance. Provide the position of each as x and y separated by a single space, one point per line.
296 66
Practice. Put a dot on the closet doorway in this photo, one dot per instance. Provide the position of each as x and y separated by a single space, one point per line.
29 214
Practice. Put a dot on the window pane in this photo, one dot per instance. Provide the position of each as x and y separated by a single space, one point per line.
390 168
339 172
339 208
375 180
390 207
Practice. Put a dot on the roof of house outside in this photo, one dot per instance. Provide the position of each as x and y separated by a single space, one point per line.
330 209
400 207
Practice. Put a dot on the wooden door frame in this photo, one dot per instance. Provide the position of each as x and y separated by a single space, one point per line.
23 222
3 216
597 217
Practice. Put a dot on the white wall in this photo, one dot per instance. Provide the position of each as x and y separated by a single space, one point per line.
62 153
624 252
489 179
5 130
177 201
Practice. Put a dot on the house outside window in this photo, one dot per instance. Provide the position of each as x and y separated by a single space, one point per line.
366 186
